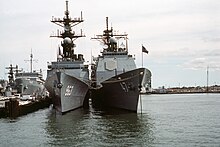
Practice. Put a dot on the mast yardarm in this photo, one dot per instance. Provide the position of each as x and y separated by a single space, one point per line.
68 35
111 40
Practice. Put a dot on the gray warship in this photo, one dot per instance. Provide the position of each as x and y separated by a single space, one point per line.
116 81
26 84
68 78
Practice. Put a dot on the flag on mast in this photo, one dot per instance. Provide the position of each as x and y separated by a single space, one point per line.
144 49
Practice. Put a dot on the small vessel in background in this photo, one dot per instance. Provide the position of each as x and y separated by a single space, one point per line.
26 84
116 82
68 78
23 93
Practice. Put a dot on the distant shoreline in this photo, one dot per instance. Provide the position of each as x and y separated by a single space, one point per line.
185 90
217 92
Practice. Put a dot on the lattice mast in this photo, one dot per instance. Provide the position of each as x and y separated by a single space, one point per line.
107 38
68 35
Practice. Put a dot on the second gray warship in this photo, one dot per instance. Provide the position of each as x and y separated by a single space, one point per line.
26 84
116 81
68 77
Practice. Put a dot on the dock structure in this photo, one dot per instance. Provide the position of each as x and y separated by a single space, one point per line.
13 107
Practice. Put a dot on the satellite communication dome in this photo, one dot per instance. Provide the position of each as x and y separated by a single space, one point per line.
112 40
67 40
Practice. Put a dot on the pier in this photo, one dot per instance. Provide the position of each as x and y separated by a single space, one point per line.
14 107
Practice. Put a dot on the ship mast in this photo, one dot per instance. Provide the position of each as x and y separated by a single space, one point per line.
31 61
11 73
107 33
68 35
107 39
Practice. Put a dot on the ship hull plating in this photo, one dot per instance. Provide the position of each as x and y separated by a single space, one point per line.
121 91
67 92
28 87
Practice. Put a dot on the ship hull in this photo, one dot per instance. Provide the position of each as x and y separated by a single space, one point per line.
28 87
121 91
67 92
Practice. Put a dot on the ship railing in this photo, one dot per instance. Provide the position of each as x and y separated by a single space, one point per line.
115 53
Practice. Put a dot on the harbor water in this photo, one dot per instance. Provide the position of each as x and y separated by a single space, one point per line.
163 120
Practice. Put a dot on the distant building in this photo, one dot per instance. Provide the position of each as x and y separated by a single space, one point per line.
160 90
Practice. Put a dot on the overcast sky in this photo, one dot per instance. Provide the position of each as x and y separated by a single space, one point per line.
182 36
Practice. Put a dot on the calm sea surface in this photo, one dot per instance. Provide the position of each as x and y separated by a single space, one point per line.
166 120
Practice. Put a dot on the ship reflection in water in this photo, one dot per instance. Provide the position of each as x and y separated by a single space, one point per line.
98 128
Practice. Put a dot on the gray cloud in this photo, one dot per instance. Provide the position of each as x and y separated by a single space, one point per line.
202 63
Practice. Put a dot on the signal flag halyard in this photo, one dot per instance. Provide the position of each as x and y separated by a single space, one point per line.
144 49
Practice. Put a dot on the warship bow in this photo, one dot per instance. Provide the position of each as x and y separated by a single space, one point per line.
68 77
116 81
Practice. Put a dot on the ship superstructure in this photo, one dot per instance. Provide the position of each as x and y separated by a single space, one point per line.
114 59
68 78
115 78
